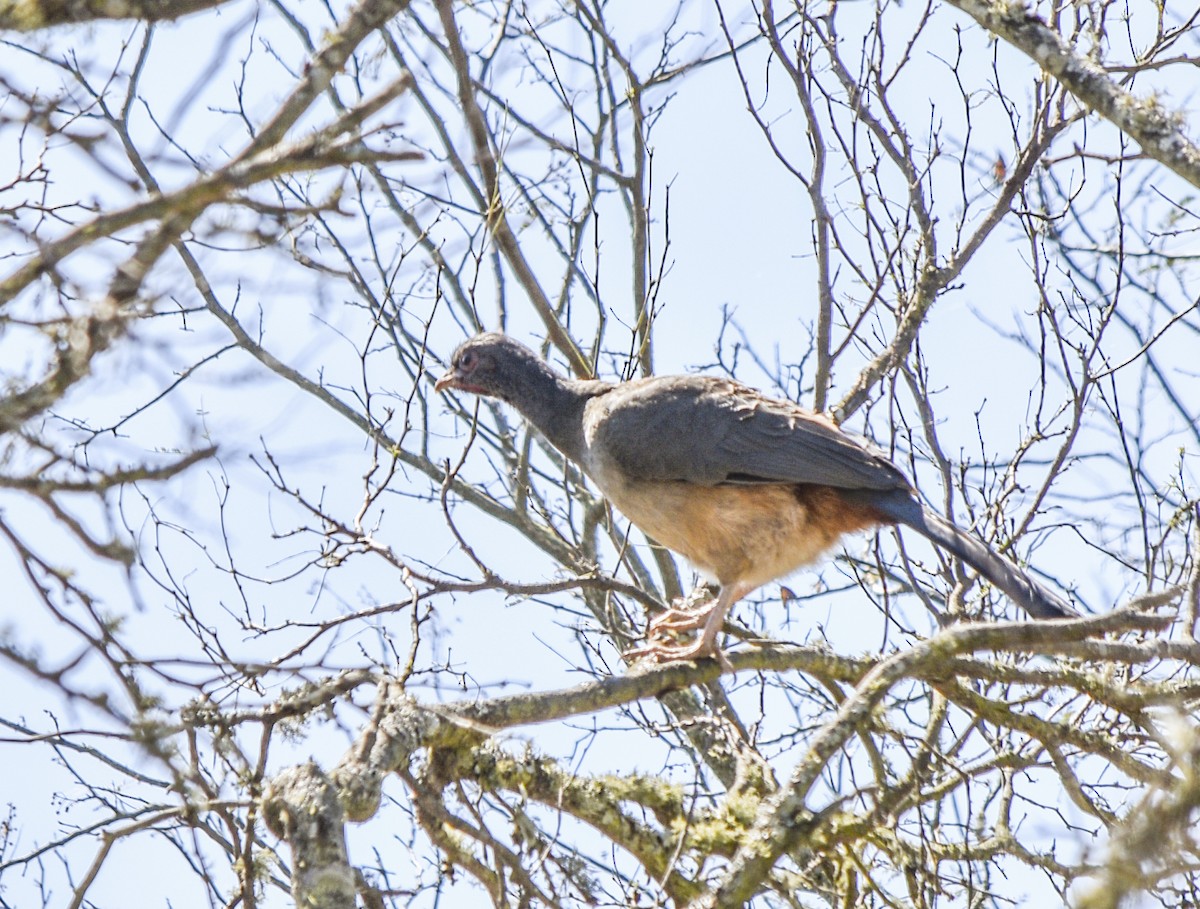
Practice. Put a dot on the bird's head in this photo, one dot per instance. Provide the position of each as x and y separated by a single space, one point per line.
493 365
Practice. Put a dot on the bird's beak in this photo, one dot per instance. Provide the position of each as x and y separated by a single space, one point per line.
449 380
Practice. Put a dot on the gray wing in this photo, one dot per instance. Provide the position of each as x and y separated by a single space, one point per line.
713 431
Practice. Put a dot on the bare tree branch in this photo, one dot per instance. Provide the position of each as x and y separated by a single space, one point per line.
1160 133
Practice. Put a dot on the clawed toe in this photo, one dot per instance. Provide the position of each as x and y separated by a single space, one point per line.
660 652
662 645
677 620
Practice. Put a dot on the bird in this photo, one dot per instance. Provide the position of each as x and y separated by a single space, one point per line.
746 487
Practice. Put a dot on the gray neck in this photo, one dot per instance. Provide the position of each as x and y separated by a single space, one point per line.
554 405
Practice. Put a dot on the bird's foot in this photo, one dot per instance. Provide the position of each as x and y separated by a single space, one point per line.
662 645
659 651
690 613
676 620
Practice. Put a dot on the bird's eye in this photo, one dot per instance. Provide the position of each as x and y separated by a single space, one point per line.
468 360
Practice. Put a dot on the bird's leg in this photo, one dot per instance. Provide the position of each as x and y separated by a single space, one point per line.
710 621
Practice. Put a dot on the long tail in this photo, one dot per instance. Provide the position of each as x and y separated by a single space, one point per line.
1015 583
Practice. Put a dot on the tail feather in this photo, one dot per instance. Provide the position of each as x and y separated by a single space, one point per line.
1016 584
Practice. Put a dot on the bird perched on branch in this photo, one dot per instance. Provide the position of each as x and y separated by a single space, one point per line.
746 487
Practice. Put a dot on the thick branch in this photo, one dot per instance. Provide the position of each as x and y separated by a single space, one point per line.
1158 132
27 15
301 806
